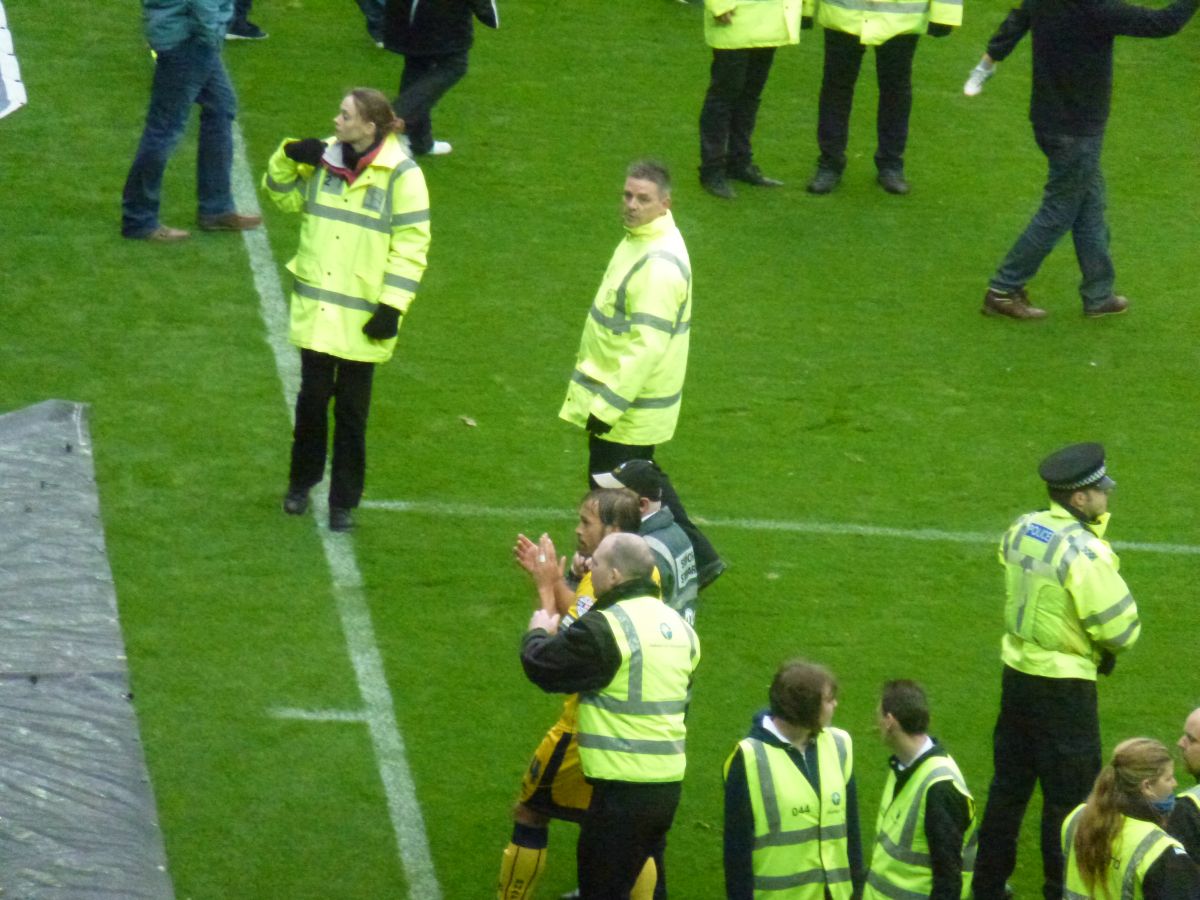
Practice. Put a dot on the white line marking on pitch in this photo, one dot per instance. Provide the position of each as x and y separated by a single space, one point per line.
379 713
317 715
836 529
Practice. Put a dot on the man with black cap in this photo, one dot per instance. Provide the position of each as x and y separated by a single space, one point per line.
1067 614
672 549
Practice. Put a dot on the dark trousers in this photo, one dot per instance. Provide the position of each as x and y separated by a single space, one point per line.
1048 732
348 384
604 456
241 12
424 80
372 11
625 825
731 108
893 72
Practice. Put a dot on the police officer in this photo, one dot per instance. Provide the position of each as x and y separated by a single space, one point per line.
925 829
631 658
627 385
1184 821
1067 614
791 806
672 549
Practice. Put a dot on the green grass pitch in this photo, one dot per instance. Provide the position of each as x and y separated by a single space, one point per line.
840 373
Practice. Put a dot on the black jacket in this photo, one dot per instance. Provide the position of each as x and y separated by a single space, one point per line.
1073 54
435 27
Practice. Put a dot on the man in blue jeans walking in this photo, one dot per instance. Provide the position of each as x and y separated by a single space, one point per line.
1069 106
187 36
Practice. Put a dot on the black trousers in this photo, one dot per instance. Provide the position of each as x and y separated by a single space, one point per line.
348 384
604 456
893 72
424 80
625 824
731 108
1048 732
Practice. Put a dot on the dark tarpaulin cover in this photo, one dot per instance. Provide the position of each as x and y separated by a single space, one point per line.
77 814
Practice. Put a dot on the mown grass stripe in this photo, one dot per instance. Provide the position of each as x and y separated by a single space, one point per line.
379 713
834 529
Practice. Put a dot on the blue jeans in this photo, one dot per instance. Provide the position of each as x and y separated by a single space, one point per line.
187 74
1073 201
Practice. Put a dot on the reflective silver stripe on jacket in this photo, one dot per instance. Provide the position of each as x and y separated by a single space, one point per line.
399 281
628 745
903 851
281 187
621 322
615 400
325 296
883 6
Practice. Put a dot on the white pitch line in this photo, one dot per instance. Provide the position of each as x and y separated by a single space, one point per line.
835 529
379 713
317 715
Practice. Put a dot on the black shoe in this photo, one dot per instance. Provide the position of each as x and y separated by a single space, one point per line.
752 174
710 572
295 502
245 31
893 182
718 186
341 519
824 181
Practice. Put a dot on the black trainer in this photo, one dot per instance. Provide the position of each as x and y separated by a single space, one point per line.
752 174
295 502
893 182
341 519
717 186
824 181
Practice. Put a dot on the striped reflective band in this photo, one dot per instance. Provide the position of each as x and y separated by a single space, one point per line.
283 187
1125 636
350 217
1129 883
623 325
627 745
1107 615
399 281
812 876
890 890
883 6
636 707
616 400
324 296
410 218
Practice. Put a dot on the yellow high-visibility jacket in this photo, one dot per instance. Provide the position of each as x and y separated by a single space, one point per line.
361 244
1066 599
633 353
755 23
876 21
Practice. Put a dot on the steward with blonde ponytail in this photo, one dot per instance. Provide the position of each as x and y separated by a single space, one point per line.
1115 846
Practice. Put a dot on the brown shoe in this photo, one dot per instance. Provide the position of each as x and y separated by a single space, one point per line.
1013 304
230 221
165 234
1114 305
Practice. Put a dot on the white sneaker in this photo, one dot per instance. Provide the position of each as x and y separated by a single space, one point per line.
440 148
978 76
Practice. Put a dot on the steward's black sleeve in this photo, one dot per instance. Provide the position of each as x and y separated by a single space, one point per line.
1009 34
858 871
1172 877
1184 826
584 657
739 832
947 815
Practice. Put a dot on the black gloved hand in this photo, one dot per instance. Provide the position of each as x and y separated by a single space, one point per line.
384 324
309 150
806 23
937 29
1108 662
597 426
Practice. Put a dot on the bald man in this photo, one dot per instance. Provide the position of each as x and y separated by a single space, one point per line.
631 659
1184 822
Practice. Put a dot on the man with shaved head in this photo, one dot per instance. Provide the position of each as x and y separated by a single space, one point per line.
1184 821
631 659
